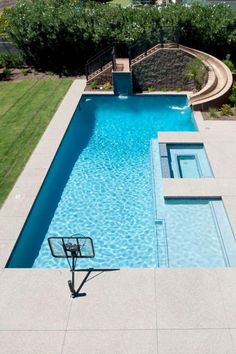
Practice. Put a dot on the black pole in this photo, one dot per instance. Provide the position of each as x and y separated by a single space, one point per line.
73 271
71 283
129 56
114 58
162 37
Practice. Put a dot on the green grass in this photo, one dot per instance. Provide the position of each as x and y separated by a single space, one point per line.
26 108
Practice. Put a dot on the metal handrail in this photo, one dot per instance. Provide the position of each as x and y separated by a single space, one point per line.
101 52
98 62
108 54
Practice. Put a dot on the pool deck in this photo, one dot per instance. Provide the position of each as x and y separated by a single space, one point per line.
128 311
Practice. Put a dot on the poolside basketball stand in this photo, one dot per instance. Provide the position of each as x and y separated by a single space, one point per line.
74 247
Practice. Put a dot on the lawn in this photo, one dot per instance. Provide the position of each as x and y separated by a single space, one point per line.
26 108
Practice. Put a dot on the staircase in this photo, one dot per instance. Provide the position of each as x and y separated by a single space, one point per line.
102 62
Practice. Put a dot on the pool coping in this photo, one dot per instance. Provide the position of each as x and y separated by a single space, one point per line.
17 206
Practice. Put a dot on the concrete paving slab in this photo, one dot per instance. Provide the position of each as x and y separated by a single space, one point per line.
221 127
10 227
31 177
227 186
221 158
40 161
227 285
48 147
188 187
6 247
177 137
31 342
34 299
19 202
211 341
230 205
109 342
189 299
233 337
123 299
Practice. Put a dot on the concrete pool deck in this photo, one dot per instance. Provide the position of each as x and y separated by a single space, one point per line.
138 311
130 311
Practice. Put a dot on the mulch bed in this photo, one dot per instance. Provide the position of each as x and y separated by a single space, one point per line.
206 116
31 74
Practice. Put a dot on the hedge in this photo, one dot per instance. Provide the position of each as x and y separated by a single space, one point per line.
57 34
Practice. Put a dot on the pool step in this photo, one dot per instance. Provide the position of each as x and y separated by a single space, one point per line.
162 244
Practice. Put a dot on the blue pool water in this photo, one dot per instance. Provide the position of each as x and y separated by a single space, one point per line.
100 183
188 161
198 242
190 232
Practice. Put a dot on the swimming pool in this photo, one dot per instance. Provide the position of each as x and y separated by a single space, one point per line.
100 183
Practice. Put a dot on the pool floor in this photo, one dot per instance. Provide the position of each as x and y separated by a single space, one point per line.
105 182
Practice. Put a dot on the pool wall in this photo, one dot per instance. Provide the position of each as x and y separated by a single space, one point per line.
45 203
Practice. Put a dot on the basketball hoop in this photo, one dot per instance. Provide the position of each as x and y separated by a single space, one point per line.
72 248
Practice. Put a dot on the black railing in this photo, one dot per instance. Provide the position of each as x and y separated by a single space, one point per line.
161 35
100 60
6 46
143 2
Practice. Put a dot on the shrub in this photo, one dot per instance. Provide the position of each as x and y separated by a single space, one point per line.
213 112
164 89
24 71
8 60
3 21
57 33
226 110
151 88
196 71
6 74
227 61
50 73
178 89
107 86
232 96
93 85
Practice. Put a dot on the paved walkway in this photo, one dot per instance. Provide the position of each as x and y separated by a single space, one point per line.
128 311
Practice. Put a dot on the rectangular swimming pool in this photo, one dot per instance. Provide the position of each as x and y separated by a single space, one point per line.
100 182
